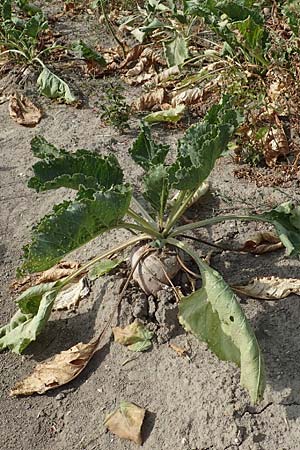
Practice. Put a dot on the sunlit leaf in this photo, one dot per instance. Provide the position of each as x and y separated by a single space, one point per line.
214 316
135 336
84 51
126 422
176 50
172 115
54 87
57 371
103 267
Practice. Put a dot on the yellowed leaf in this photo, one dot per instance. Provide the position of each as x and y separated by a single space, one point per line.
147 101
126 422
135 335
270 288
57 371
262 242
60 270
23 111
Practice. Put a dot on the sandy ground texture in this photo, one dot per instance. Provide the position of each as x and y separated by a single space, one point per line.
193 402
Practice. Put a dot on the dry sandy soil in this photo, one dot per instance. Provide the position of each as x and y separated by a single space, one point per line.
193 402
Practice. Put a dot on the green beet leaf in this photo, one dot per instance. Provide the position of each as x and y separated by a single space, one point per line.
156 184
29 301
44 150
84 51
145 152
23 328
286 220
72 170
73 224
214 316
176 50
172 115
54 87
103 267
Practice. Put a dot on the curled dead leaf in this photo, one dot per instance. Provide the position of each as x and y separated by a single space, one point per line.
275 145
126 422
132 55
270 288
70 296
179 350
147 101
23 111
188 97
262 242
60 270
57 371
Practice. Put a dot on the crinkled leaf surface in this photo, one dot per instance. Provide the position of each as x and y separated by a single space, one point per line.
269 288
73 224
214 316
286 220
146 152
29 301
44 150
74 169
176 50
24 328
156 187
52 86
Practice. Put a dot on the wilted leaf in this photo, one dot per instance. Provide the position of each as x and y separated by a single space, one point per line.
57 371
83 51
103 267
270 288
150 99
126 422
60 270
179 350
176 50
166 74
135 336
70 296
172 115
52 86
262 242
132 55
188 97
214 316
24 328
23 111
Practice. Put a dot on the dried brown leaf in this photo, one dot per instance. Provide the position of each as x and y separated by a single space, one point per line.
262 242
57 371
133 55
126 422
275 145
60 270
188 97
23 111
270 288
147 101
179 350
70 296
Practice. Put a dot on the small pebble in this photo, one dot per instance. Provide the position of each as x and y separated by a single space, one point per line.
60 396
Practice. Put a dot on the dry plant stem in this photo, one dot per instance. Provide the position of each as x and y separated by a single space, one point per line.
186 269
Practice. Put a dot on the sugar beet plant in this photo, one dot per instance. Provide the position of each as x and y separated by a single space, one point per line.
105 202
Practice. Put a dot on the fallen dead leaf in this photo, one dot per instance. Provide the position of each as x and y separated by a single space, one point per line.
270 288
23 111
179 350
126 422
147 101
70 296
262 242
57 371
136 336
132 55
188 97
60 270
275 145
